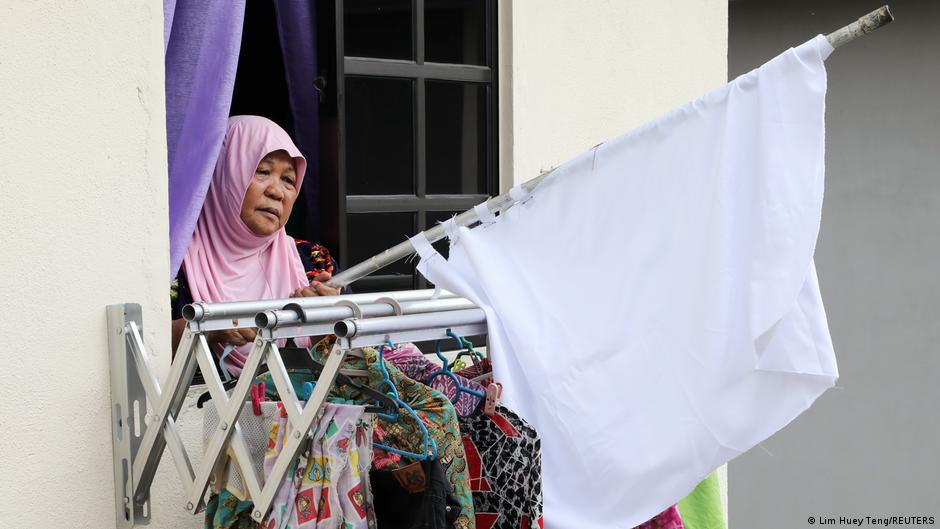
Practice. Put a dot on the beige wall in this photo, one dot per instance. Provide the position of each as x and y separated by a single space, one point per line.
574 74
83 223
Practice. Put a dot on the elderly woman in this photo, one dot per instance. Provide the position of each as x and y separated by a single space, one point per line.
240 250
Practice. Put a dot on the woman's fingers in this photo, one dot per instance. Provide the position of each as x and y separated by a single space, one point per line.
234 337
323 276
248 334
323 290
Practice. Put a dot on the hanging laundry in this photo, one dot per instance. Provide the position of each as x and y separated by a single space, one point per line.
329 487
702 508
436 412
412 362
326 486
507 451
706 332
668 519
416 496
505 464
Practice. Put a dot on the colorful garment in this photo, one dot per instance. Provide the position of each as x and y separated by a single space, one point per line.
483 367
226 511
412 362
702 508
328 486
435 411
505 465
668 519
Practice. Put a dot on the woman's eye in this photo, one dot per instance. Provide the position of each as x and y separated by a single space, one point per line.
288 179
263 172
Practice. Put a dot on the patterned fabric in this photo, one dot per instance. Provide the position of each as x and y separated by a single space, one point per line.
435 411
505 464
668 519
226 511
412 362
483 367
315 258
328 487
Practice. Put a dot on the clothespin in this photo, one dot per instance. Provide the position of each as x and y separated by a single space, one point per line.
493 392
258 396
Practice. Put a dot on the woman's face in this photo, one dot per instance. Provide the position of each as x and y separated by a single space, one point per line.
271 194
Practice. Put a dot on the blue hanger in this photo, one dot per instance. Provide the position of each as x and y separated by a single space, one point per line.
393 392
224 368
445 371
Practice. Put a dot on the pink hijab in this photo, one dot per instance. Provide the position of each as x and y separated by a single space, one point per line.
225 260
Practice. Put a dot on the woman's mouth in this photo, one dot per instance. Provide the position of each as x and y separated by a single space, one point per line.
271 212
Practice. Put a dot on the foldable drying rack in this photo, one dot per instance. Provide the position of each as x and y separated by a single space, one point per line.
143 413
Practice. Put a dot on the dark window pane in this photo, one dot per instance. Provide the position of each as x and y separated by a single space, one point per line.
455 31
378 28
379 136
373 233
456 138
433 218
381 283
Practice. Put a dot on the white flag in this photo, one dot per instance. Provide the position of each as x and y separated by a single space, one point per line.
653 308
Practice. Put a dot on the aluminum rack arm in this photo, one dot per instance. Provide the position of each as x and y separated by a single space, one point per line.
844 35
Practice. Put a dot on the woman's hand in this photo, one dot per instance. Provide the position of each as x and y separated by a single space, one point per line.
231 336
316 288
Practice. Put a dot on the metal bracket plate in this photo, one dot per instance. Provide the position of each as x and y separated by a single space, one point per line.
128 410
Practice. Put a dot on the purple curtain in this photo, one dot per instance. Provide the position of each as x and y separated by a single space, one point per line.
202 40
296 24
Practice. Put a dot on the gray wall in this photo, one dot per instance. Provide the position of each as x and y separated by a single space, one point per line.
871 446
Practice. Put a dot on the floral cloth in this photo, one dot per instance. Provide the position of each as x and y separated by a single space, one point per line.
435 411
668 519
328 487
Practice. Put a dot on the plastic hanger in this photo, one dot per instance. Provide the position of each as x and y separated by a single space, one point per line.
469 351
393 392
445 371
300 358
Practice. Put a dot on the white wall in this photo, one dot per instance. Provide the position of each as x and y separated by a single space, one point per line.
83 223
574 74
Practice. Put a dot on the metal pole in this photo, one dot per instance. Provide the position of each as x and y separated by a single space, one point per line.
391 324
863 25
276 318
202 312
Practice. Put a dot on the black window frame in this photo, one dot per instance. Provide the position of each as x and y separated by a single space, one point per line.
419 71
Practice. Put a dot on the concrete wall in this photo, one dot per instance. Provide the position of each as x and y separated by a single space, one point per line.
869 447
577 73
83 224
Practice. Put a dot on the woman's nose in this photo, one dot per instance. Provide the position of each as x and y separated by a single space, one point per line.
274 191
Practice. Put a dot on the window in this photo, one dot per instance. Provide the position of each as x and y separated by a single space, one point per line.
410 133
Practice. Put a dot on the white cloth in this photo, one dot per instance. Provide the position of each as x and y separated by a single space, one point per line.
653 308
